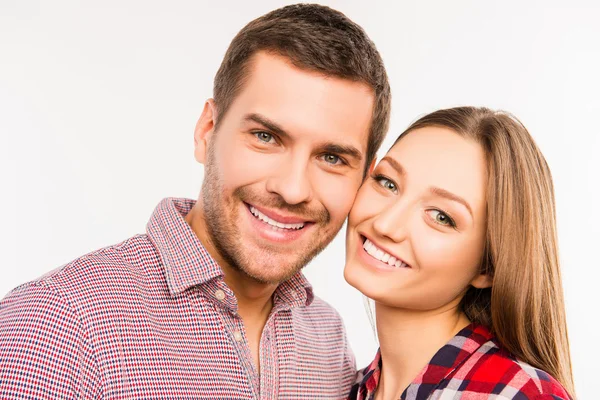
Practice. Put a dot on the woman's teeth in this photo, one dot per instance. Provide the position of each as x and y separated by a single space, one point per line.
382 256
272 222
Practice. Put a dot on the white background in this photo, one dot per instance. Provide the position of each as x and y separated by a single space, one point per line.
98 102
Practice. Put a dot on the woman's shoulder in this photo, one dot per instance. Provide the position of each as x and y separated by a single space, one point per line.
536 383
472 365
496 371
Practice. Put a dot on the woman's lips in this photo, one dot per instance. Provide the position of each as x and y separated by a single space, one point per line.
381 254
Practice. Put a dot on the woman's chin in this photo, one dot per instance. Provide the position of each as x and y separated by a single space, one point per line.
357 278
348 275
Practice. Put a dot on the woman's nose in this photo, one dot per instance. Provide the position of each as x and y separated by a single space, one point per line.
392 222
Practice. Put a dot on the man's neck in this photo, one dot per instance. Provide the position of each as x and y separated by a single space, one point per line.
254 298
408 340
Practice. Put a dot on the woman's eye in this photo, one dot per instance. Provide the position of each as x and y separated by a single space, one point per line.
441 218
332 159
265 137
387 183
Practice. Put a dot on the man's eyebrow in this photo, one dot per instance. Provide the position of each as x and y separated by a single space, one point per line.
451 196
342 149
335 148
267 123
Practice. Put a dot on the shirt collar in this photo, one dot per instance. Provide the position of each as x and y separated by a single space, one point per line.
187 262
444 362
295 292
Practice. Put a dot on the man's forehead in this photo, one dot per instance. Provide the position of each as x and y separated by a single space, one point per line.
304 102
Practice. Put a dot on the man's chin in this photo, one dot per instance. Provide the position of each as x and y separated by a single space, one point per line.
271 273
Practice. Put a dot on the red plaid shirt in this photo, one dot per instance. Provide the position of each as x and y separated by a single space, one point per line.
472 365
152 318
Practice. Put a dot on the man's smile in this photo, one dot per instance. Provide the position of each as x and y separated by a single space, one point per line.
276 227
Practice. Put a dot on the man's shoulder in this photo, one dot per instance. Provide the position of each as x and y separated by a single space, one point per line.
51 328
320 336
319 315
102 274
320 305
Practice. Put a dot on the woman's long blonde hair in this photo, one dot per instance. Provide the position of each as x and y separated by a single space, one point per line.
524 308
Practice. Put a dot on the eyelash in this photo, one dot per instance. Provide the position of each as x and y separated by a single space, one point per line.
340 158
451 223
274 137
378 177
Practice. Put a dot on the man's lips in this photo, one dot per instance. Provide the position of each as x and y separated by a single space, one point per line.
284 219
285 234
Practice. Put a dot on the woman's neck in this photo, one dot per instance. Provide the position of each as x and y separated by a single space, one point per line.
408 340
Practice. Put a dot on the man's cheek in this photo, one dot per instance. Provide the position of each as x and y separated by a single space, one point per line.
337 196
246 166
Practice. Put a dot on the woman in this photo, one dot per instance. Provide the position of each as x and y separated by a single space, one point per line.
454 238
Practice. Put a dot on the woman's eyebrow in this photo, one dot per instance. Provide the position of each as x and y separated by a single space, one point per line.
395 164
451 196
434 190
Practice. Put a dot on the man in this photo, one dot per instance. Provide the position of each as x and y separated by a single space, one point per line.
210 302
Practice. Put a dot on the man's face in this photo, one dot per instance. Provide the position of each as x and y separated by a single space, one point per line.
283 169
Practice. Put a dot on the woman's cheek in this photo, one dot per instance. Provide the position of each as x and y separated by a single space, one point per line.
363 206
431 247
438 253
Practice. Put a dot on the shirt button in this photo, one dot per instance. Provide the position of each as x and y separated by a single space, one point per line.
237 335
219 294
295 295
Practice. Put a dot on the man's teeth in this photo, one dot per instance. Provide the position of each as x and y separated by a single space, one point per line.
382 256
272 222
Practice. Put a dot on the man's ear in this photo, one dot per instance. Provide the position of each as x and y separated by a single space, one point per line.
204 130
372 166
482 281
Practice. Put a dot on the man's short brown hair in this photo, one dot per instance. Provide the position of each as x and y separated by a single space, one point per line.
315 38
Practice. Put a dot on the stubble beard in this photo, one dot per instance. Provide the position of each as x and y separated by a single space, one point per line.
221 216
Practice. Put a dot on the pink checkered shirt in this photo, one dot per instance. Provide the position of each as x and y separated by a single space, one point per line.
152 318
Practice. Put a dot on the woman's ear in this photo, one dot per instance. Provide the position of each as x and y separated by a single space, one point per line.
482 281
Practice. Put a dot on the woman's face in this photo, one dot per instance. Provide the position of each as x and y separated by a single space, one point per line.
416 232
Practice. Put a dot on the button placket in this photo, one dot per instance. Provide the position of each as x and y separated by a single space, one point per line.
268 376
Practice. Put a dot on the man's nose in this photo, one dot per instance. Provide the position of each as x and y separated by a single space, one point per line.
292 182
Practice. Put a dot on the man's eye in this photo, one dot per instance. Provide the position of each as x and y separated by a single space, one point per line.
386 183
265 137
441 218
332 159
